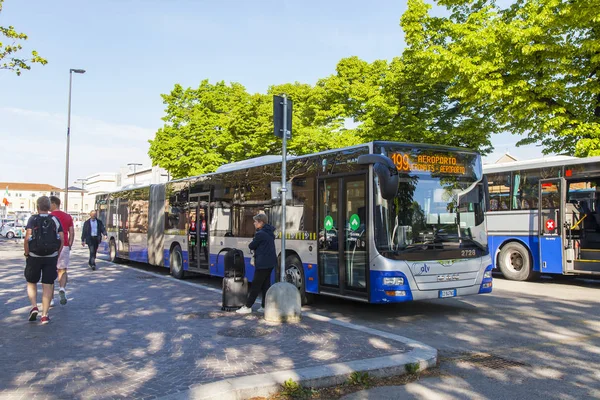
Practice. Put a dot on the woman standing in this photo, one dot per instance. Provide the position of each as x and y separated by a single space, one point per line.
265 260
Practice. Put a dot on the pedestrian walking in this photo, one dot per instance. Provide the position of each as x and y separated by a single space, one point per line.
265 260
65 255
91 234
43 244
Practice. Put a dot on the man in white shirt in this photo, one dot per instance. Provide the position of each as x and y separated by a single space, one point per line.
91 234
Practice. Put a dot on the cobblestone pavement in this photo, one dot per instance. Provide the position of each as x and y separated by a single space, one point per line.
126 334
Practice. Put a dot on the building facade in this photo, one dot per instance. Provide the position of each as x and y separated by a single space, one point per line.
20 197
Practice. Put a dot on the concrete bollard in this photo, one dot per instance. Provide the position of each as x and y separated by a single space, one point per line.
283 303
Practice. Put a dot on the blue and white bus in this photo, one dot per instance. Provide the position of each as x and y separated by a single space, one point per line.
544 216
381 222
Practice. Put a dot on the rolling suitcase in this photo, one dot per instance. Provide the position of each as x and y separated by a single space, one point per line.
235 284
235 293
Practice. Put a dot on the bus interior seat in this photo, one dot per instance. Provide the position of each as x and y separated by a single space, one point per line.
592 222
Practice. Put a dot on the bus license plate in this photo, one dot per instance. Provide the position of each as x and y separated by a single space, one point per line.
447 293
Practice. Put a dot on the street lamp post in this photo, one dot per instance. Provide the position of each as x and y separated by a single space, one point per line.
77 71
134 165
82 186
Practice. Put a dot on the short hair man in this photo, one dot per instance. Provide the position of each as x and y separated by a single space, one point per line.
91 234
63 259
38 263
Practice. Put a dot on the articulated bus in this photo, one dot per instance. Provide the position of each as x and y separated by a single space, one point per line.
381 222
544 216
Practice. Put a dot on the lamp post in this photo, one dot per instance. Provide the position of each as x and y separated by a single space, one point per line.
82 186
134 165
77 71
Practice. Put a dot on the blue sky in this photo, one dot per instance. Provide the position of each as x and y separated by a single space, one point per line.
134 50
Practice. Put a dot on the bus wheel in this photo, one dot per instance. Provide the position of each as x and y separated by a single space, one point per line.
177 263
294 274
515 262
113 251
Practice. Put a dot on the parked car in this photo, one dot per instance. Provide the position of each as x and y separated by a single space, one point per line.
9 231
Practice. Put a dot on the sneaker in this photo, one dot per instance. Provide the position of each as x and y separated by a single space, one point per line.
93 267
261 310
52 303
45 319
33 313
244 310
63 297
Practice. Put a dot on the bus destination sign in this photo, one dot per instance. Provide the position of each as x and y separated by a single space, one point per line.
433 163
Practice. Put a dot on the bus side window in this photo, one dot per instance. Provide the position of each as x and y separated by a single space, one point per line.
499 191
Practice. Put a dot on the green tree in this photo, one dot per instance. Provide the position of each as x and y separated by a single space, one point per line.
8 57
220 123
531 68
394 101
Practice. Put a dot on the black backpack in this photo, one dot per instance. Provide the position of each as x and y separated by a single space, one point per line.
44 236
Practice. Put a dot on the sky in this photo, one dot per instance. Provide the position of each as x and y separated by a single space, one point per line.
135 50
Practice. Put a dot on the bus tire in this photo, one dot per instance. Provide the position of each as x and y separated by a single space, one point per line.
176 263
515 262
112 251
294 274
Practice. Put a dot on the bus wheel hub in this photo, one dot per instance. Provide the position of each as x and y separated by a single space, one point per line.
293 276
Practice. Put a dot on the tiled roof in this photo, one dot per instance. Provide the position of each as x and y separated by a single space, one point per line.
31 187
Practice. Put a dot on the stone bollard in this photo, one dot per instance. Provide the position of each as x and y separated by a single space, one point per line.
283 303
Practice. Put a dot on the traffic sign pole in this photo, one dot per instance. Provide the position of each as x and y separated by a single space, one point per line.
283 188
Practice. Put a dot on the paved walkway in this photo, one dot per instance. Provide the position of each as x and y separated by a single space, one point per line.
126 333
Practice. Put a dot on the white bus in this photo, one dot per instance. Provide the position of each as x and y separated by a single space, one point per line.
544 216
381 222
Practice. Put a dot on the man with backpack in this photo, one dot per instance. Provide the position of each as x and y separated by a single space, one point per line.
43 243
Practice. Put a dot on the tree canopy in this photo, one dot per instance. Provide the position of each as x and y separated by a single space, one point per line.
220 123
531 68
9 58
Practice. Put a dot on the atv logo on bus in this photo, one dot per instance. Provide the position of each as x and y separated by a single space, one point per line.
448 277
420 269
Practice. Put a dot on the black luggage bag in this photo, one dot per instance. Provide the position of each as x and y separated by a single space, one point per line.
235 293
235 284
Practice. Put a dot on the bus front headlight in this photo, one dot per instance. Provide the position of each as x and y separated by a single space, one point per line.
395 281
487 275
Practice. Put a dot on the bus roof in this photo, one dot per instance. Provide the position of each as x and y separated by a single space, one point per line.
272 159
552 161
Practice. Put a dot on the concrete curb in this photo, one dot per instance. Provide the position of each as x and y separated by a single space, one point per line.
327 375
322 376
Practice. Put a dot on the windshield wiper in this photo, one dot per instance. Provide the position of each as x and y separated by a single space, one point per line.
475 242
413 247
421 246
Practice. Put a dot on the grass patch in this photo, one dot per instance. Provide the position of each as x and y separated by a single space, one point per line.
293 390
412 368
360 379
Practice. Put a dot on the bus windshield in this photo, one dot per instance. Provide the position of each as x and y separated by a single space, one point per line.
434 215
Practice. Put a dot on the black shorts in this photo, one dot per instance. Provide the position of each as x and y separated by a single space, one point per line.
41 266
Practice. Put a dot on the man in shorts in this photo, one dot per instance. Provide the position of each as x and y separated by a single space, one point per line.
42 265
63 260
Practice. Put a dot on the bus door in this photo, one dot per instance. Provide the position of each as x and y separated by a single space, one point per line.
551 230
198 250
123 228
343 258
